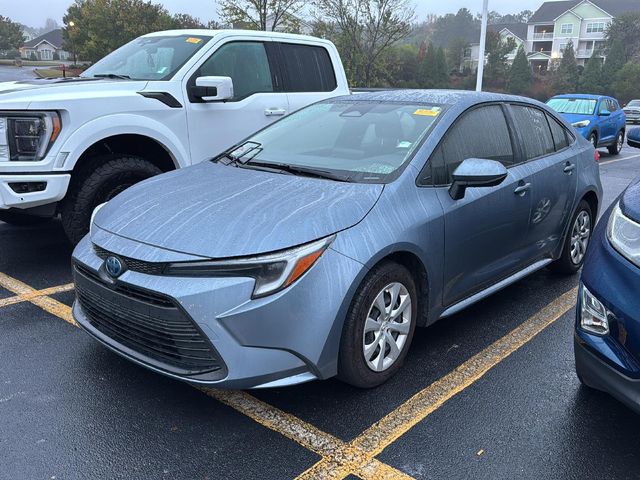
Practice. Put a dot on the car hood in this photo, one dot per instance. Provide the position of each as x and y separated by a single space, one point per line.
218 211
40 92
574 117
630 201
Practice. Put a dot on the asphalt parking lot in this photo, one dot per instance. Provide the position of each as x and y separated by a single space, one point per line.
490 393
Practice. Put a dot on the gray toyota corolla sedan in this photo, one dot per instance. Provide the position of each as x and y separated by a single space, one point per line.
318 245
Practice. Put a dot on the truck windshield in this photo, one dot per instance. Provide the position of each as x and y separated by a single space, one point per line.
355 140
148 58
579 106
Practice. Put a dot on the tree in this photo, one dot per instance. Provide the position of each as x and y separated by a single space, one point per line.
441 71
497 50
455 54
612 65
520 76
183 20
402 66
11 37
101 26
363 31
625 29
566 76
591 80
262 14
49 25
450 27
626 86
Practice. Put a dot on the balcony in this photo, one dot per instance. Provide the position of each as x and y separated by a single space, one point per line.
543 36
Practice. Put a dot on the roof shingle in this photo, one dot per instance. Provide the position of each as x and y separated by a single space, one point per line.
54 37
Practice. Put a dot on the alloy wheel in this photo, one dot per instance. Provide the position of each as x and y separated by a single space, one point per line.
580 235
387 327
620 141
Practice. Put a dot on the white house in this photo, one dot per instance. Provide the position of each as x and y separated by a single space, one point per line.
46 47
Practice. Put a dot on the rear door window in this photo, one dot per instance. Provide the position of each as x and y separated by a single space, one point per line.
307 68
559 133
535 133
479 133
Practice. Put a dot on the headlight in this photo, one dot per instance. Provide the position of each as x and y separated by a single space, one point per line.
272 272
624 235
593 314
93 216
581 124
27 136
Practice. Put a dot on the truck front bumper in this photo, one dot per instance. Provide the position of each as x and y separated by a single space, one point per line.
14 193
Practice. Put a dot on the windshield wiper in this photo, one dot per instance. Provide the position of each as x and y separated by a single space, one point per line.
112 75
305 171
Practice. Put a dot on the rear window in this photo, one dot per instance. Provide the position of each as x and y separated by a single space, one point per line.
560 135
307 68
579 106
534 130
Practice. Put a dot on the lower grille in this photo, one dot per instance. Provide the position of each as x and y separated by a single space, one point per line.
148 324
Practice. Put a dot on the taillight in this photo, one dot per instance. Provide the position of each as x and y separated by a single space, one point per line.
596 156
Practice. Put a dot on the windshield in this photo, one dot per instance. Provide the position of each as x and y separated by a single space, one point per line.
634 103
356 140
579 106
148 58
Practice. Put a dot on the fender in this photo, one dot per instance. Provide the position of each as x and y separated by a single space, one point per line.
123 124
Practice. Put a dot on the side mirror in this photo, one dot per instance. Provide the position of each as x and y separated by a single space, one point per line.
212 89
476 172
605 113
633 137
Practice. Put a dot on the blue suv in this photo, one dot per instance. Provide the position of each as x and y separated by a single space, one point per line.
607 330
597 118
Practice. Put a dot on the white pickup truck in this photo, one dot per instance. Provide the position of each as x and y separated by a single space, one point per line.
163 101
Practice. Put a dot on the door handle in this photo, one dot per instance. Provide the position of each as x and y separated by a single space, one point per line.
275 112
569 168
522 189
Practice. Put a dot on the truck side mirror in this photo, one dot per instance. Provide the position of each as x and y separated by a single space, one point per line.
212 89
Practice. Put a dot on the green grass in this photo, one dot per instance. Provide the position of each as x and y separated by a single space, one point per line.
30 63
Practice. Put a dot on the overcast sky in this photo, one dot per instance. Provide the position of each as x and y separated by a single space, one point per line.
35 12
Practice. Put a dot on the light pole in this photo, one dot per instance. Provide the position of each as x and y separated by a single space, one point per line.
483 40
72 24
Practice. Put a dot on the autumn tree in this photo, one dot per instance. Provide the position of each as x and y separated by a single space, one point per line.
101 26
363 31
262 14
11 37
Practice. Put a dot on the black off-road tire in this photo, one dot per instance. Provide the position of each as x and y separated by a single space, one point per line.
352 367
565 265
113 175
616 148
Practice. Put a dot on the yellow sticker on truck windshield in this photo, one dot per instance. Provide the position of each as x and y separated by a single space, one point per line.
193 40
428 112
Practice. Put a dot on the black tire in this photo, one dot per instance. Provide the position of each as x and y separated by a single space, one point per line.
593 138
616 148
352 366
565 264
18 219
113 175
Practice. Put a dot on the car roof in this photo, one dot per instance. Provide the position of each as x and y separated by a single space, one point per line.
233 33
438 97
580 95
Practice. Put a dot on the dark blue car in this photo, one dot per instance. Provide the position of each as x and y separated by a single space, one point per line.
597 118
607 331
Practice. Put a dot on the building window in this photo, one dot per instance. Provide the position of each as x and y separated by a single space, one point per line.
596 27
566 28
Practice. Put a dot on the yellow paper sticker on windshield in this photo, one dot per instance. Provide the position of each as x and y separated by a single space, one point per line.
431 112
193 40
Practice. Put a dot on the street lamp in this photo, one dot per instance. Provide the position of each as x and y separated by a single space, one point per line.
72 24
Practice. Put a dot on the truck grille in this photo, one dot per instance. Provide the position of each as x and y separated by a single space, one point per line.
150 326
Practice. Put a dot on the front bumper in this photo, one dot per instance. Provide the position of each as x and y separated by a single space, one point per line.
598 374
55 190
283 339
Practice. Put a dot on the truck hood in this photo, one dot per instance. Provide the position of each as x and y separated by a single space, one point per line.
218 211
38 92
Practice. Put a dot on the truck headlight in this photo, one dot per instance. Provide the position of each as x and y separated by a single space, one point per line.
272 272
27 136
624 235
594 317
581 124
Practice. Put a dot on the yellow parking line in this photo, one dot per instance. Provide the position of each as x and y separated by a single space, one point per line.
36 293
291 427
384 432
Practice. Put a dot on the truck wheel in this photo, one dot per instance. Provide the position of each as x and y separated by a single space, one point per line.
617 147
18 219
113 175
